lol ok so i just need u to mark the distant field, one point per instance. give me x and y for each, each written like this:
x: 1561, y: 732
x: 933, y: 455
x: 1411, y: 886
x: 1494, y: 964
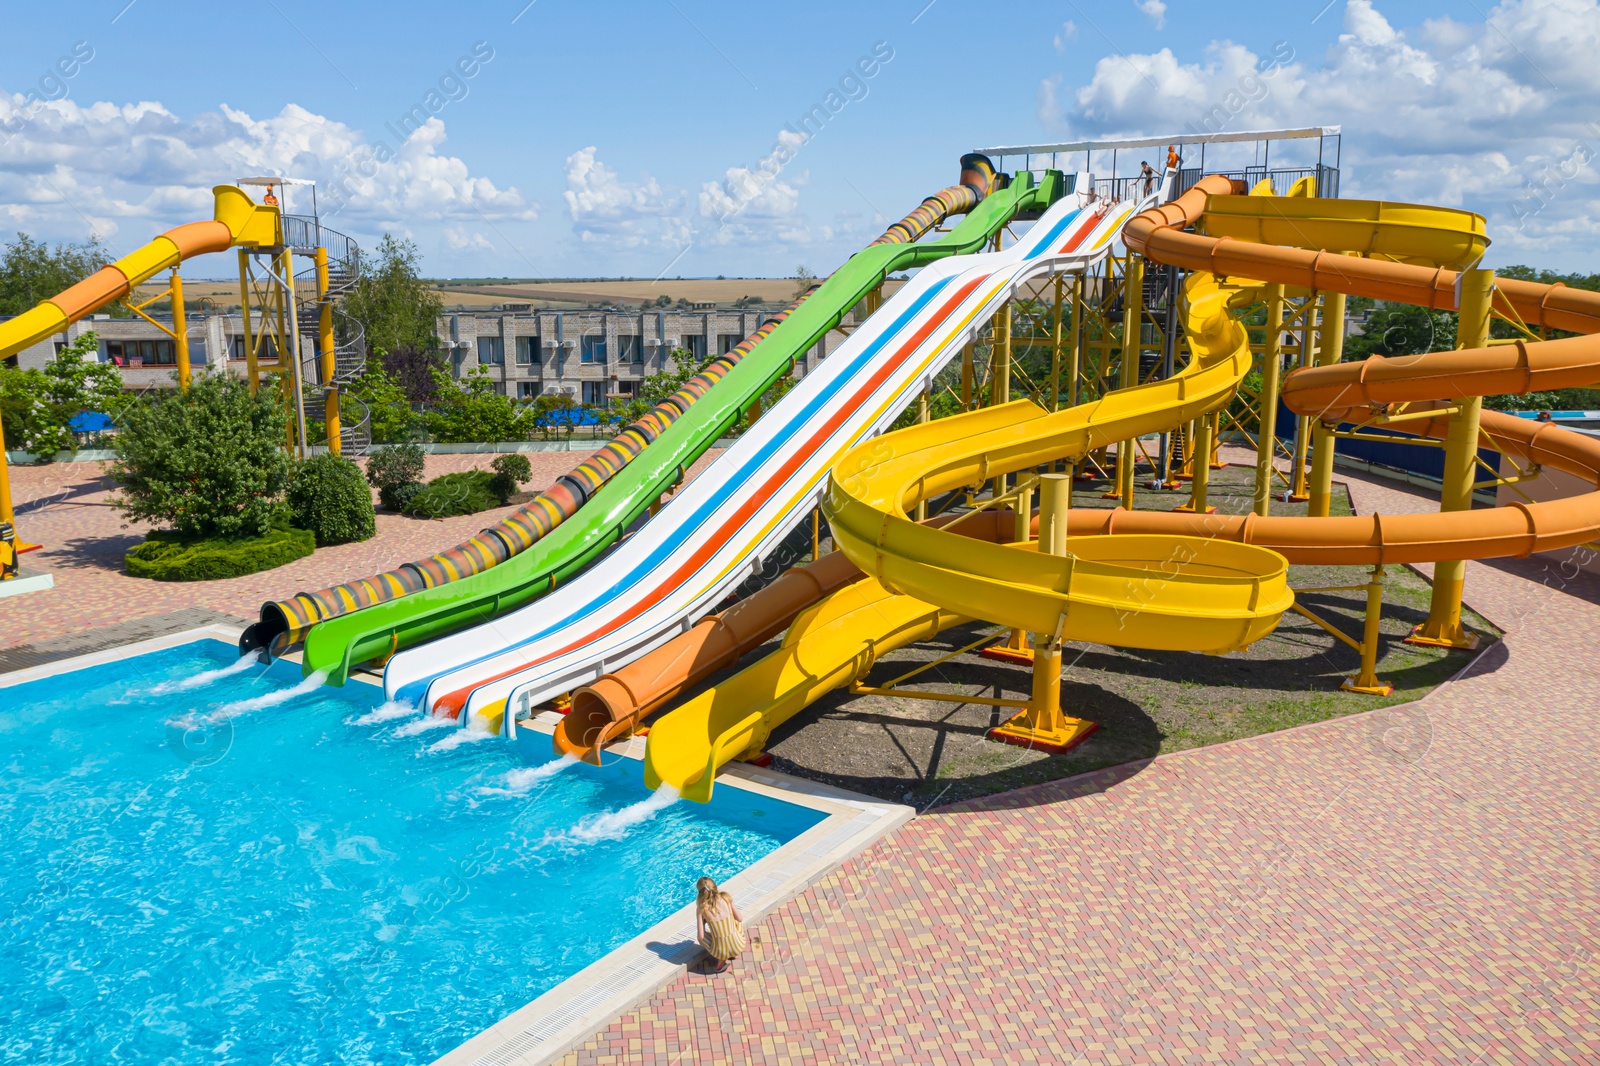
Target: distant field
x: 471, y: 295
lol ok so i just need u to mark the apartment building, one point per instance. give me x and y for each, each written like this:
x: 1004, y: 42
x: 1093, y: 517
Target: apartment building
x: 592, y: 356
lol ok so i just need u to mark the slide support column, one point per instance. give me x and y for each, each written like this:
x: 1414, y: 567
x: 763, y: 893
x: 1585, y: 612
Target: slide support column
x: 1267, y: 402
x: 251, y: 368
x: 330, y: 367
x: 180, y: 330
x: 1329, y: 352
x: 1042, y: 724
x: 1128, y: 372
x: 1298, y: 491
x: 1443, y: 627
x: 1000, y: 371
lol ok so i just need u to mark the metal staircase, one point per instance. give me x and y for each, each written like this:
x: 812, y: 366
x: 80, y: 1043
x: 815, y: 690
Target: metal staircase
x: 304, y: 235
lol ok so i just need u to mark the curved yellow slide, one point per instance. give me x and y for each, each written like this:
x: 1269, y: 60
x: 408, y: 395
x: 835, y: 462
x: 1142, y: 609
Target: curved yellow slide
x: 238, y: 222
x: 1157, y: 592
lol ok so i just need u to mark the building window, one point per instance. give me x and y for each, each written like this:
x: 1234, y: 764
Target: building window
x: 266, y: 349
x: 527, y: 351
x: 628, y: 388
x: 528, y: 390
x: 727, y: 342
x: 630, y: 348
x: 491, y: 351
x: 594, y: 392
x: 141, y: 353
x: 592, y: 349
x: 696, y: 344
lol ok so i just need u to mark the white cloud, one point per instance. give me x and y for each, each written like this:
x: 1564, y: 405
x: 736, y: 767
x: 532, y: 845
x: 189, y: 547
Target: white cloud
x: 71, y: 169
x: 748, y: 204
x: 1155, y: 10
x: 1067, y: 32
x: 462, y: 239
x: 1457, y: 113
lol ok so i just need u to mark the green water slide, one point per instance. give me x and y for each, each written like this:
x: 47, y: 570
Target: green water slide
x: 335, y: 645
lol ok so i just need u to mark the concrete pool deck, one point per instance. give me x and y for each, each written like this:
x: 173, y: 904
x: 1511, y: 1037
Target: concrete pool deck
x: 1416, y: 884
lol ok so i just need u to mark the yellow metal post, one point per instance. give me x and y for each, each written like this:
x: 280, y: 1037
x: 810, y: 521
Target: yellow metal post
x: 923, y: 412
x: 1329, y: 352
x: 966, y: 376
x: 1055, y: 347
x: 251, y: 368
x: 180, y: 330
x: 1443, y: 627
x: 292, y: 349
x: 1367, y: 680
x: 1267, y: 402
x: 1043, y: 725
x: 7, y: 515
x: 1000, y: 371
x: 330, y: 364
x: 1132, y: 327
x: 1200, y: 479
x: 1302, y: 426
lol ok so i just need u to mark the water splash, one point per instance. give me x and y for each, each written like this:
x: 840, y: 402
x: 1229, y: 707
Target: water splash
x: 522, y: 780
x: 387, y: 712
x: 460, y: 737
x: 308, y: 685
x: 614, y: 825
x: 425, y: 723
x: 206, y: 677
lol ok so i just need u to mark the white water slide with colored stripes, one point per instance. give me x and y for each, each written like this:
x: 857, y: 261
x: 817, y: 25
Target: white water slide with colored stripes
x: 715, y: 532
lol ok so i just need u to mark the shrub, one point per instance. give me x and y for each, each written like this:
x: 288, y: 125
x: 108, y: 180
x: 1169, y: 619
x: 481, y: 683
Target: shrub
x: 330, y: 499
x: 393, y: 470
x: 207, y: 462
x: 472, y: 410
x: 166, y: 556
x: 510, y: 472
x: 467, y: 492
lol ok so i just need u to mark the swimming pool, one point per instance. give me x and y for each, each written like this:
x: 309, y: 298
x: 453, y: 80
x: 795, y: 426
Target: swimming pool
x: 254, y: 869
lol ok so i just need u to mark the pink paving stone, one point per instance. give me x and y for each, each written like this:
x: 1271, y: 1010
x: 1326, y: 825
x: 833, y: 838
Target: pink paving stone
x: 1411, y: 885
x: 65, y: 507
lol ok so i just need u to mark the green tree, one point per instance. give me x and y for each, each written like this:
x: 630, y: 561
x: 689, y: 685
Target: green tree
x: 38, y: 405
x: 31, y: 271
x: 389, y: 408
x: 205, y: 462
x: 473, y: 410
x: 391, y: 300
x: 657, y: 387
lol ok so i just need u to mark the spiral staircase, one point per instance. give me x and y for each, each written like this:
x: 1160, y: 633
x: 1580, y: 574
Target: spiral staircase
x: 304, y: 235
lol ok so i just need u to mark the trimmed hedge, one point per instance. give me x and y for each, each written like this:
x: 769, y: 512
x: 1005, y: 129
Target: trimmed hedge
x: 330, y: 497
x: 466, y: 492
x: 396, y: 473
x: 166, y: 556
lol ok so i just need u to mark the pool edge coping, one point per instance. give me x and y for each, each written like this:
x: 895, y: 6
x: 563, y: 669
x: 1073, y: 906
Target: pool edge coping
x: 554, y: 1023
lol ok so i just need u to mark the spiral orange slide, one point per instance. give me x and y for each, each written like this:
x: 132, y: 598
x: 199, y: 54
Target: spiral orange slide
x: 1387, y: 251
x: 1347, y: 391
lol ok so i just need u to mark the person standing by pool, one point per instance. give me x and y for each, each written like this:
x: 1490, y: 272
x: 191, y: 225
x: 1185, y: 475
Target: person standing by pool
x: 719, y: 924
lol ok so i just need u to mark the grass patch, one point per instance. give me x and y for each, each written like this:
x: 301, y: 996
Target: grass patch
x: 464, y: 492
x: 165, y: 556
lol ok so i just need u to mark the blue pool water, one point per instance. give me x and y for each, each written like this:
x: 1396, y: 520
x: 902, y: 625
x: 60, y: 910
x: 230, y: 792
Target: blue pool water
x: 256, y: 870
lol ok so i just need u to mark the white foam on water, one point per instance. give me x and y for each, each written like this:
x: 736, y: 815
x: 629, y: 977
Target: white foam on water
x: 524, y: 778
x: 460, y: 737
x: 387, y: 712
x: 614, y: 825
x: 425, y: 723
x: 307, y: 686
x: 185, y: 684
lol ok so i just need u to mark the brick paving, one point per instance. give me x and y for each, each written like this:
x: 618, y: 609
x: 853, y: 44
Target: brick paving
x: 1412, y: 885
x: 65, y: 507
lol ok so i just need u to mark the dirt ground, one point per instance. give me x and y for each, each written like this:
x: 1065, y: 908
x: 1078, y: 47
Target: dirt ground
x: 1145, y: 703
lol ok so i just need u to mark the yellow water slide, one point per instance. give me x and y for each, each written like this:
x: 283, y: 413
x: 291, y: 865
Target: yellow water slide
x: 238, y: 222
x: 1180, y: 586
x: 1169, y: 593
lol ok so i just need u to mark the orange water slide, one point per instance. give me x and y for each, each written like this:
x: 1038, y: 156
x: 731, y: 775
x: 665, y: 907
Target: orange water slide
x: 1346, y: 391
x: 614, y: 705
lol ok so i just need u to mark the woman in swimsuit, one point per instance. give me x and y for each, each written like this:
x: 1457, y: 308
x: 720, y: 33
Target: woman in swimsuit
x: 718, y: 922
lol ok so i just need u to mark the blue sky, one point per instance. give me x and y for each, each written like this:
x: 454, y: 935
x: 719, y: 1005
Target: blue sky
x: 627, y: 138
